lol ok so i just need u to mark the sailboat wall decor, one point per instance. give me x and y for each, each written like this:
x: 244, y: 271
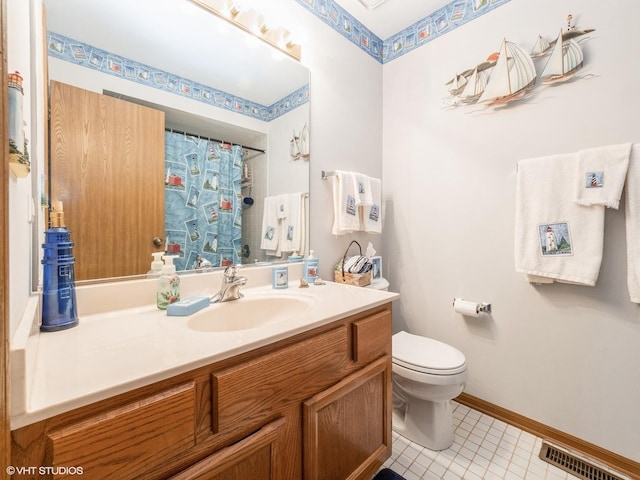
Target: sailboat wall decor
x: 511, y: 73
x: 512, y: 76
x: 564, y: 62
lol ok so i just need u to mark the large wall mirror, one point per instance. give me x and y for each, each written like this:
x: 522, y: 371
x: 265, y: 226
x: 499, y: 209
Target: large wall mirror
x: 233, y: 116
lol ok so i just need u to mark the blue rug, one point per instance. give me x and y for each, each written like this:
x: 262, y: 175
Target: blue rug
x: 387, y: 474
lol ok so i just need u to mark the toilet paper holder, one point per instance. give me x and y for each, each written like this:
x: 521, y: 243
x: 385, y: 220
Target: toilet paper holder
x: 480, y: 307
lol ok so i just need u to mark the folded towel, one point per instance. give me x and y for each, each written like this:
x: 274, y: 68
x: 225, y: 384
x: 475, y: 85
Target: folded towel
x: 270, y: 230
x: 600, y: 175
x: 554, y: 236
x: 292, y: 227
x: 372, y: 215
x: 345, y: 211
x: 632, y: 219
x: 362, y: 189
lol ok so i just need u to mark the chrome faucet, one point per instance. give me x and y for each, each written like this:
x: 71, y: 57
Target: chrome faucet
x: 230, y: 288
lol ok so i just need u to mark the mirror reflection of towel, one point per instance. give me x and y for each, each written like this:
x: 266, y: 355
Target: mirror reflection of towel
x: 292, y: 227
x: 269, y: 234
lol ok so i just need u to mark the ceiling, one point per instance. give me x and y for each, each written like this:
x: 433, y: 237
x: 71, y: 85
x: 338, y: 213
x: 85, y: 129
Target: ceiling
x: 393, y: 15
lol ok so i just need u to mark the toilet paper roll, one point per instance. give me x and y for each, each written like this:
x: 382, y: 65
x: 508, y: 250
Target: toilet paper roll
x: 466, y: 307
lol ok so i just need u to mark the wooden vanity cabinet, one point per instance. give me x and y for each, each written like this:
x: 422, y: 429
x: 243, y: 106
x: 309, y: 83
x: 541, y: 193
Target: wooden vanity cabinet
x: 314, y: 406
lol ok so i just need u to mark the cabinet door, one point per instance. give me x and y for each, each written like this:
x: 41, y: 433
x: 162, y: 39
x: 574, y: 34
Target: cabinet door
x: 347, y: 428
x: 107, y: 168
x: 253, y: 458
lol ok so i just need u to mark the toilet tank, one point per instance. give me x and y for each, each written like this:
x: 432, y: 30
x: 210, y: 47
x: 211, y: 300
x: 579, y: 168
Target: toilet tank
x: 379, y: 284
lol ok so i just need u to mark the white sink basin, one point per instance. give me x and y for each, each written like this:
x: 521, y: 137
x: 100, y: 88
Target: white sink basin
x: 248, y: 313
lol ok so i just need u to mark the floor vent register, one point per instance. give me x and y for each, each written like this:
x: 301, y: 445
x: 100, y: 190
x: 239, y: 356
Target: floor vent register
x: 577, y: 465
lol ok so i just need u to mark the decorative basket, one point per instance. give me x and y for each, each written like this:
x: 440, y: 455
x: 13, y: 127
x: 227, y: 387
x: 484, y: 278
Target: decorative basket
x: 357, y: 279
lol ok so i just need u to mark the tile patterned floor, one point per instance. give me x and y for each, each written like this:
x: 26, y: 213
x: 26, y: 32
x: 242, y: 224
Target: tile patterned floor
x: 484, y: 448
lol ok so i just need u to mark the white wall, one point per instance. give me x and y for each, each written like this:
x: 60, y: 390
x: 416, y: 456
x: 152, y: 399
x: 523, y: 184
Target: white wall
x: 345, y: 127
x: 285, y: 174
x: 566, y: 356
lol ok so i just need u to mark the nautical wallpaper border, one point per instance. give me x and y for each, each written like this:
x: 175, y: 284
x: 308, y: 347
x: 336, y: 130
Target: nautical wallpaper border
x: 438, y: 23
x: 73, y: 51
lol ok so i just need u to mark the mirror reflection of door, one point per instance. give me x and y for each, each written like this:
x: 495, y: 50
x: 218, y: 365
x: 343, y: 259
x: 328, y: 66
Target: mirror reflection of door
x: 107, y: 155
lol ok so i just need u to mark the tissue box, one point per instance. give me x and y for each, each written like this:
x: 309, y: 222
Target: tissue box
x: 187, y: 306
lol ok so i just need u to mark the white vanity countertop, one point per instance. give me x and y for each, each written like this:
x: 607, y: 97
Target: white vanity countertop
x: 111, y: 353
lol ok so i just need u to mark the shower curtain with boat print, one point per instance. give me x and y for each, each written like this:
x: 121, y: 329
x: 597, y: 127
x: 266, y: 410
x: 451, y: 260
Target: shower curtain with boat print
x: 203, y: 211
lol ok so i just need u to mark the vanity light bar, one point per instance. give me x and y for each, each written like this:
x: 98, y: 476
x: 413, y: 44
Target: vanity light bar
x: 249, y: 21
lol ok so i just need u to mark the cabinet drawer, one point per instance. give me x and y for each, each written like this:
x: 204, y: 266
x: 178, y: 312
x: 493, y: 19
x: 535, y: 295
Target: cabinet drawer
x: 247, y: 394
x: 372, y: 337
x: 129, y: 440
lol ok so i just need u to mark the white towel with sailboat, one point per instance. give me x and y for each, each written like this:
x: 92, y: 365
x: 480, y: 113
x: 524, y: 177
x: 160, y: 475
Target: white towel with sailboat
x: 345, y: 212
x: 371, y: 215
x: 555, y: 238
x: 600, y: 175
x: 362, y: 189
x: 632, y: 223
x: 270, y: 227
x: 292, y: 225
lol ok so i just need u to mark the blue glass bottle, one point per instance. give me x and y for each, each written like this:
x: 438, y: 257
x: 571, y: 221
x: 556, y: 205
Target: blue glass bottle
x: 59, y: 290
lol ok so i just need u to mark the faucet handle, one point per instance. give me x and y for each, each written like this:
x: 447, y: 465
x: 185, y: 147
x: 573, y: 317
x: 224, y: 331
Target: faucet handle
x: 231, y: 271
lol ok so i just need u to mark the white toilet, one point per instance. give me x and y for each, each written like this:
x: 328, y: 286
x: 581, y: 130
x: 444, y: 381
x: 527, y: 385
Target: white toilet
x: 427, y: 375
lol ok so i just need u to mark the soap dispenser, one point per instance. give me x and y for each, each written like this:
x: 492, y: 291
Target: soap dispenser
x: 168, y: 284
x: 310, y: 268
x: 156, y: 265
x: 59, y: 309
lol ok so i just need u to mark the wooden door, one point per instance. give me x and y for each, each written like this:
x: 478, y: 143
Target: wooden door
x: 347, y: 428
x: 107, y: 168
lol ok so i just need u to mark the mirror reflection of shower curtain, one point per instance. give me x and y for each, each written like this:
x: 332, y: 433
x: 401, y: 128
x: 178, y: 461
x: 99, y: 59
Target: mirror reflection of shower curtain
x: 203, y: 208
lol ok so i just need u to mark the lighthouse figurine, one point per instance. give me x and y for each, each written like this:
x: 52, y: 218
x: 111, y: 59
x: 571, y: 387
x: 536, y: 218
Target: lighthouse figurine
x: 59, y: 290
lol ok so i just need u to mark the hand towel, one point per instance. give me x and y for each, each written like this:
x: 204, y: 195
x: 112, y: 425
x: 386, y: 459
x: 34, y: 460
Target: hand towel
x: 554, y: 236
x: 362, y: 189
x: 282, y: 209
x: 632, y: 223
x: 270, y: 229
x: 371, y: 215
x: 345, y: 211
x: 600, y: 175
x: 292, y: 227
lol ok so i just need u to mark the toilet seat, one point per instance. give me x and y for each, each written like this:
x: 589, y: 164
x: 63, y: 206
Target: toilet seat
x: 426, y: 355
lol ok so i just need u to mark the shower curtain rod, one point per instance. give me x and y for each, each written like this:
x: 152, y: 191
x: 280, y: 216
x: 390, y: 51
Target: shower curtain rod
x: 212, y: 139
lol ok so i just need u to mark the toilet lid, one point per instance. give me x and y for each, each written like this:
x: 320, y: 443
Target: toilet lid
x: 426, y: 355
